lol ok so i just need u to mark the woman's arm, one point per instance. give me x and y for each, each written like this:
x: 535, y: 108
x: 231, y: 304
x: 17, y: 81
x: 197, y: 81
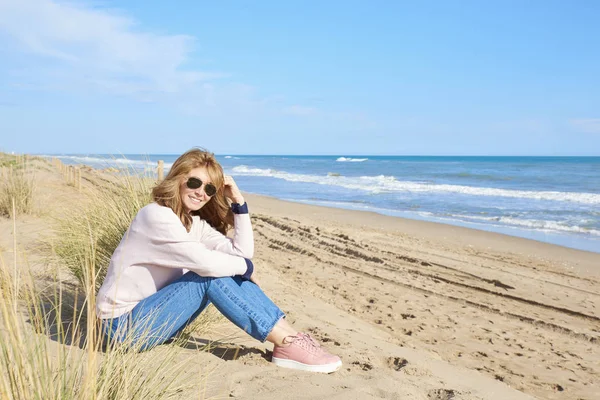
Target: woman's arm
x: 157, y: 237
x: 242, y: 243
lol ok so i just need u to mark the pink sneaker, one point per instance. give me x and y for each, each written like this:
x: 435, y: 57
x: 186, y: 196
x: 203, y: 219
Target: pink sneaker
x: 304, y: 353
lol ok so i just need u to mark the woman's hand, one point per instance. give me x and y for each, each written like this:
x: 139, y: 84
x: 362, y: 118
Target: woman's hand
x: 231, y: 191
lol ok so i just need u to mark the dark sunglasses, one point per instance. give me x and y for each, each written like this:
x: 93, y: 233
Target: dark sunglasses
x: 195, y: 183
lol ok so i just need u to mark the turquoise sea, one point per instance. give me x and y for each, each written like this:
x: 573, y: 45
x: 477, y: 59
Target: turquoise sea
x: 550, y: 199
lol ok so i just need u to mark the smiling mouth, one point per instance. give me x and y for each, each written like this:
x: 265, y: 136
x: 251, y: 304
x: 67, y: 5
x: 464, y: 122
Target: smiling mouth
x: 195, y: 200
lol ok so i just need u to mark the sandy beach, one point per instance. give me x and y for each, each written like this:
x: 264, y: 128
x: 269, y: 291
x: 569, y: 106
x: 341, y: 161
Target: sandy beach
x: 416, y: 310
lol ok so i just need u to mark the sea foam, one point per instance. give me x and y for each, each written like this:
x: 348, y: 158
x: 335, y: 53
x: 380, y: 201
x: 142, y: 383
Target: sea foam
x: 541, y: 225
x: 346, y: 159
x: 384, y: 183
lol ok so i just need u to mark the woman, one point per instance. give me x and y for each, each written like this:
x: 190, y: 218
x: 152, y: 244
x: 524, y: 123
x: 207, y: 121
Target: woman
x: 175, y: 259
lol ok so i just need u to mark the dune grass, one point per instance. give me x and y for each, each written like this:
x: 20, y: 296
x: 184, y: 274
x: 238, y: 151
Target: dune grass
x: 101, y: 221
x: 16, y: 186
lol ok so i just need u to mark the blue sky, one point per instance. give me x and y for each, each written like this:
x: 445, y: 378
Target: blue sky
x: 322, y: 77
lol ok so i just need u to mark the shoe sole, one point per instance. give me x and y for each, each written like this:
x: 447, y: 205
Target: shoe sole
x: 326, y: 368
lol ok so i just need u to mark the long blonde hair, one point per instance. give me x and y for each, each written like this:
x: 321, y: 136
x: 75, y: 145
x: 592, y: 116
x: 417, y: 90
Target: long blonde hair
x: 216, y: 212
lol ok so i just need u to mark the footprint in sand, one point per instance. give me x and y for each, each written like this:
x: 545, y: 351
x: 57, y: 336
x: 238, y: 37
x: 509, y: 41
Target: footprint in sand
x: 413, y: 371
x: 323, y: 336
x: 441, y: 394
x: 365, y: 366
x: 396, y: 363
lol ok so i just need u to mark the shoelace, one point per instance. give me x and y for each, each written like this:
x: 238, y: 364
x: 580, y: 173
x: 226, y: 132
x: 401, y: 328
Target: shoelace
x: 305, y: 341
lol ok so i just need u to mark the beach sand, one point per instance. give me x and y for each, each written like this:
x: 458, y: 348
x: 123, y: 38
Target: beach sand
x: 416, y: 310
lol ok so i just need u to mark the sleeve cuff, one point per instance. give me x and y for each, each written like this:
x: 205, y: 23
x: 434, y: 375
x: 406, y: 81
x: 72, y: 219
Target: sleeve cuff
x: 249, y: 270
x: 239, y: 208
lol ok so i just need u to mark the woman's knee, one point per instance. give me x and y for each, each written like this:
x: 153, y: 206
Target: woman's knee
x: 192, y: 276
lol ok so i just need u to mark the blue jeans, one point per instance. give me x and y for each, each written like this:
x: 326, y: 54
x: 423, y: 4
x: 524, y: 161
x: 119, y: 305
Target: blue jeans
x: 160, y: 317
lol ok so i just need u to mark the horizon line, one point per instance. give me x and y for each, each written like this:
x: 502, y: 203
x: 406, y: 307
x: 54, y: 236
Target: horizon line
x: 311, y: 155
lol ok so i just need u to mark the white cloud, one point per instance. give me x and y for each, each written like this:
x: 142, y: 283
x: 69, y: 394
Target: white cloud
x: 75, y: 44
x: 587, y: 125
x: 75, y: 47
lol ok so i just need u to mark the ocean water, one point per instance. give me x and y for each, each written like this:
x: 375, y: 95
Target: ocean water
x: 550, y: 199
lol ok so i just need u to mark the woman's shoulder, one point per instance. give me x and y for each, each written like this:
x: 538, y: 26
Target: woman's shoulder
x: 154, y: 212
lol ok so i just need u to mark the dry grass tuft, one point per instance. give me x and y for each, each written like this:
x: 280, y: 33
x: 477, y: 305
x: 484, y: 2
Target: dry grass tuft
x: 17, y: 187
x: 102, y: 222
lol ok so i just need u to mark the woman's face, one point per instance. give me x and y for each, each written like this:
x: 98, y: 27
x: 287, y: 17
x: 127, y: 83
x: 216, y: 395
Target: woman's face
x: 195, y: 199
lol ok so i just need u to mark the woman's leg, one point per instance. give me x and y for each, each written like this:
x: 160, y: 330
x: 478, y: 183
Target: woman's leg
x: 247, y: 306
x: 280, y: 331
x: 236, y: 298
x: 161, y: 316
